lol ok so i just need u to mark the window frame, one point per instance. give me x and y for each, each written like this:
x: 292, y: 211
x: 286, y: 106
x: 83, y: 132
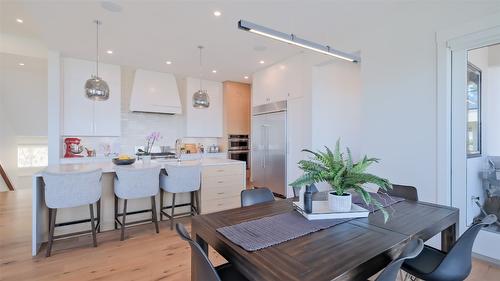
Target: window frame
x: 478, y: 153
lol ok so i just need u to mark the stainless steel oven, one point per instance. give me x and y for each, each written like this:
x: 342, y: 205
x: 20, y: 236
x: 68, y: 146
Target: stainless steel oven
x: 239, y: 148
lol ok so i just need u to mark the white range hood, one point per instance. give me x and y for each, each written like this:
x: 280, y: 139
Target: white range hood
x: 155, y: 92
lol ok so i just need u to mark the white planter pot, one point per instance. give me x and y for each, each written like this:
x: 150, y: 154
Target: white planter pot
x: 340, y: 203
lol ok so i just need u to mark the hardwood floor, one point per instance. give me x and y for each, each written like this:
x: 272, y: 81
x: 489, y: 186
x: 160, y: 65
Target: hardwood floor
x: 144, y: 255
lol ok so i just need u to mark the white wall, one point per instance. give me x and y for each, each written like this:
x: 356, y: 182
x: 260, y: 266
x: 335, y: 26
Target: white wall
x: 336, y: 105
x: 7, y: 146
x: 493, y: 104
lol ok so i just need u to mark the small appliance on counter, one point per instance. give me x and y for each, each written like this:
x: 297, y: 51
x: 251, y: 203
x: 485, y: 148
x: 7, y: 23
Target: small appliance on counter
x: 72, y: 147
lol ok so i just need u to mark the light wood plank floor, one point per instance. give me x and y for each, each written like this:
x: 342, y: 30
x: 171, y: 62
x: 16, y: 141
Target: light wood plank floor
x: 145, y: 255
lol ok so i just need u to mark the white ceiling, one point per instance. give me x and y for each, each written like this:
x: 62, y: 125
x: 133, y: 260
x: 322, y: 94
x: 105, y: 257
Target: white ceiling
x: 147, y: 33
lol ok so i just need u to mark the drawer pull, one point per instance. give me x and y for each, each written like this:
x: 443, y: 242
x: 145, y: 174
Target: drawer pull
x: 220, y: 170
x: 220, y: 181
x: 220, y: 193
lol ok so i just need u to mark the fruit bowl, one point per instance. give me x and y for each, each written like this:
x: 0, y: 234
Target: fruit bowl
x: 120, y: 161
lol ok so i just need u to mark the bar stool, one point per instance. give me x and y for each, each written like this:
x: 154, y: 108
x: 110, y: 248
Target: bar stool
x: 68, y: 190
x: 132, y: 183
x: 180, y: 179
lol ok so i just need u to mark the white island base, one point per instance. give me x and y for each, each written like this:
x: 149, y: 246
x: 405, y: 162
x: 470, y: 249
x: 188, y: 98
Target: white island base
x: 221, y: 184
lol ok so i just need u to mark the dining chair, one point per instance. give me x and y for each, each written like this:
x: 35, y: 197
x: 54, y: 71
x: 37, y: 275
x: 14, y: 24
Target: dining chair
x: 180, y: 179
x: 206, y: 271
x: 434, y: 265
x: 251, y: 197
x: 296, y: 190
x: 69, y: 190
x: 136, y: 182
x: 404, y: 191
x: 412, y: 249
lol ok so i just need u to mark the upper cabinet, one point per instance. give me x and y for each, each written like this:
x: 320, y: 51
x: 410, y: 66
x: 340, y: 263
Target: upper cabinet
x: 204, y: 122
x: 82, y: 116
x: 281, y: 81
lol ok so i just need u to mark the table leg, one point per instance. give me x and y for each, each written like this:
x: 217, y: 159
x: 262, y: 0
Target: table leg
x: 448, y: 237
x: 204, y: 246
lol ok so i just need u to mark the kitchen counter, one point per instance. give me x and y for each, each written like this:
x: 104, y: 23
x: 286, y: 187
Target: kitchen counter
x: 109, y: 167
x: 221, y: 184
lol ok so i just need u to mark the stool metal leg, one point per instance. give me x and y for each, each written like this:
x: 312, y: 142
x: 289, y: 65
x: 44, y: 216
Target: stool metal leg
x: 197, y: 200
x: 92, y: 223
x: 161, y: 204
x: 123, y: 221
x: 99, y: 215
x: 172, y: 215
x: 116, y: 211
x: 154, y: 215
x: 52, y: 223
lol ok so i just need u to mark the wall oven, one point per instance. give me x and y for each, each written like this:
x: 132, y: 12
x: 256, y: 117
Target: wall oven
x: 238, y: 148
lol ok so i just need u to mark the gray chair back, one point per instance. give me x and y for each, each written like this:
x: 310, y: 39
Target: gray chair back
x: 390, y: 273
x: 205, y: 269
x: 457, y: 264
x: 137, y: 181
x: 181, y: 178
x: 256, y: 196
x: 72, y: 189
x: 404, y: 191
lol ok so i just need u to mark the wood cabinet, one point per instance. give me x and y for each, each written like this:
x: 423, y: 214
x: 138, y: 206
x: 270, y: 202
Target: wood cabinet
x: 204, y: 122
x: 281, y: 81
x: 82, y: 116
x: 221, y: 186
x: 236, y: 108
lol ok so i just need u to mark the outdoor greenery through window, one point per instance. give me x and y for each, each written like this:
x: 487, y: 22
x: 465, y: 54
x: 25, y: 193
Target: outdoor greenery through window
x: 32, y: 155
x: 473, y: 111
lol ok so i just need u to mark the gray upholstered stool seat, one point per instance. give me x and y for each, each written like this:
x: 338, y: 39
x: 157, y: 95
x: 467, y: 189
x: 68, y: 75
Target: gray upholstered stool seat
x: 133, y: 182
x: 180, y: 178
x: 68, y: 190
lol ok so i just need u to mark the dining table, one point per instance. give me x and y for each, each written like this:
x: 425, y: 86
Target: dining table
x: 353, y: 250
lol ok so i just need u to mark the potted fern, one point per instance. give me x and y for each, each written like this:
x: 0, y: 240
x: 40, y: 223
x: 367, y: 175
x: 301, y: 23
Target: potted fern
x: 343, y: 175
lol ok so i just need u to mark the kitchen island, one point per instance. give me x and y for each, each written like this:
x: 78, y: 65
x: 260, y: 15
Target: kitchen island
x: 222, y: 181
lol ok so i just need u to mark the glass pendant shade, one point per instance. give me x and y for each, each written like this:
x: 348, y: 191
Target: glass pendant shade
x: 96, y: 89
x: 201, y: 99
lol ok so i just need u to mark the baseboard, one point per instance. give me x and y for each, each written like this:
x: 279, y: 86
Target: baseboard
x: 489, y: 260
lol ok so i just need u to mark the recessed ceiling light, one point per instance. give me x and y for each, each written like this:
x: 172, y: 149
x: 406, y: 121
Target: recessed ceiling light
x: 168, y: 62
x: 262, y: 62
x: 214, y: 71
x: 19, y: 20
x: 217, y: 13
x: 246, y: 77
x: 21, y: 64
x: 109, y: 52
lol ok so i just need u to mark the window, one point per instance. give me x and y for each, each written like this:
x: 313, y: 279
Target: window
x: 31, y: 155
x: 473, y: 111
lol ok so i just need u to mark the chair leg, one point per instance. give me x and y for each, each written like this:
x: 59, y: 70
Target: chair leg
x: 154, y: 215
x: 116, y: 212
x: 172, y: 215
x: 92, y: 224
x: 99, y: 215
x: 161, y: 204
x: 123, y: 220
x: 52, y: 224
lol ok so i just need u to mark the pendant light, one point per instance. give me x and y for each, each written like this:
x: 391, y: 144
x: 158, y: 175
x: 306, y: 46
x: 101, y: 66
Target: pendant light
x: 96, y: 88
x: 200, y: 97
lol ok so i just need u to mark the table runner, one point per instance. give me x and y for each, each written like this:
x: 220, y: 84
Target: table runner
x: 268, y: 231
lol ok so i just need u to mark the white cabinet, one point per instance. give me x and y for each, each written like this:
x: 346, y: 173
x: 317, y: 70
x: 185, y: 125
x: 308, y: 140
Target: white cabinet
x: 279, y: 82
x: 204, y: 122
x: 84, y: 117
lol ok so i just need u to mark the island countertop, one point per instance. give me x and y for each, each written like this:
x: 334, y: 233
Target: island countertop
x: 109, y: 167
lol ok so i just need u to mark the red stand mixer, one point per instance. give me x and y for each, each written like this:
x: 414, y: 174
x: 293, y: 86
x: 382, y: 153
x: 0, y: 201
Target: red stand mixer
x: 72, y: 147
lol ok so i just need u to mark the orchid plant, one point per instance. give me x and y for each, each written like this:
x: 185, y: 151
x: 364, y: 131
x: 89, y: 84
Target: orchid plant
x: 151, y: 139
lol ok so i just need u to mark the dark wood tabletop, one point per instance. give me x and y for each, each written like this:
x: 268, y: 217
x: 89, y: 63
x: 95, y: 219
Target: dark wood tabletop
x: 354, y: 250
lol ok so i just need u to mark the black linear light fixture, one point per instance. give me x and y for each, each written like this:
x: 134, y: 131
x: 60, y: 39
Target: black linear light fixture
x: 294, y: 40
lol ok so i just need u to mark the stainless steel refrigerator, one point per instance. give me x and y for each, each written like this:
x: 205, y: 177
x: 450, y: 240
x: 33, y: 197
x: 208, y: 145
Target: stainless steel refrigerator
x: 269, y: 147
